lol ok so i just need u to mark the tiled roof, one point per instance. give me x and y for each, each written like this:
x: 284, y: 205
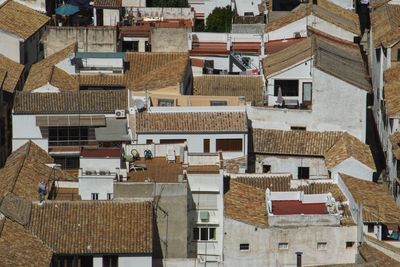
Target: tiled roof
x: 372, y: 255
x: 305, y: 143
x: 106, y: 101
x: 282, y: 184
x: 15, y: 208
x: 105, y: 80
x: 246, y: 204
x: 395, y: 140
x: 288, y: 57
x: 155, y: 70
x: 385, y: 25
x: 23, y: 170
x: 343, y: 62
x: 325, y: 10
x: 181, y: 122
x: 203, y: 169
x: 377, y: 3
x: 19, y: 248
x: 349, y: 146
x: 251, y: 87
x: 63, y: 81
x: 108, y: 3
x: 14, y: 71
x: 327, y: 54
x: 90, y: 227
x: 43, y: 71
x: 21, y: 20
x: 392, y: 91
x: 377, y: 204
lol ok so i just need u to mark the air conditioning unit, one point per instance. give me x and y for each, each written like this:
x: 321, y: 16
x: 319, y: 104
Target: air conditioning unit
x: 120, y: 113
x: 204, y: 216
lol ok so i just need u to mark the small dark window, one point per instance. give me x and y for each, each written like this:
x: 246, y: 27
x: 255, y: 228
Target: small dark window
x: 203, y: 233
x: 110, y: 261
x: 218, y: 103
x: 398, y: 54
x: 370, y: 228
x: 244, y: 246
x: 266, y: 168
x: 303, y: 172
x: 229, y: 144
x: 149, y: 141
x: 378, y: 54
x: 349, y: 244
x: 288, y: 87
x: 298, y: 128
x: 109, y: 196
x: 165, y: 102
x: 172, y: 141
x: 95, y: 196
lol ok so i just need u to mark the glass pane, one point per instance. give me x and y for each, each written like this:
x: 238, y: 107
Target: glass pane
x: 212, y: 234
x: 307, y: 90
x: 204, y: 233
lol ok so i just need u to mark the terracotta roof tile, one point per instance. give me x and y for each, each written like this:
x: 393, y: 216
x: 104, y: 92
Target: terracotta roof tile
x: 251, y: 87
x: 385, y: 25
x: 90, y: 227
x: 392, y: 90
x: 14, y: 71
x: 106, y: 101
x: 246, y: 204
x: 102, y: 80
x: 23, y: 170
x: 325, y: 10
x: 108, y: 3
x: 21, y: 20
x: 151, y: 122
x: 156, y: 70
x: 18, y: 248
x: 304, y: 143
x: 378, y: 205
x: 349, y: 146
x: 203, y: 169
x: 395, y: 141
x: 63, y: 81
x: 372, y: 255
x: 42, y: 72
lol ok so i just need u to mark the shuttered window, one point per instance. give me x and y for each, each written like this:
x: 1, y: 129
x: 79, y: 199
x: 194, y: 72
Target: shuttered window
x: 229, y: 144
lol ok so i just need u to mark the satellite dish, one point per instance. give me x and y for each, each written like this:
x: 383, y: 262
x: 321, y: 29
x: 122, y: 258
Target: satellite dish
x: 139, y: 104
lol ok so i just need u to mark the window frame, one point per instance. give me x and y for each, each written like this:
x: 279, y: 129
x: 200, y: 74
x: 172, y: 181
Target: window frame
x: 95, y: 196
x: 204, y: 234
x: 244, y: 246
x: 349, y: 244
x: 288, y: 90
x: 322, y: 245
x: 283, y: 245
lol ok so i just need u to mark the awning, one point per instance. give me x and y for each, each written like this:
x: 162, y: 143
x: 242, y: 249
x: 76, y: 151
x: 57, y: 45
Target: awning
x: 71, y: 120
x: 67, y: 10
x: 116, y: 130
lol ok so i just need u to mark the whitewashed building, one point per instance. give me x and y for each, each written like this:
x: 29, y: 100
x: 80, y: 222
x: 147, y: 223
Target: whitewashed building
x: 310, y: 155
x: 306, y: 89
x: 324, y: 17
x: 204, y: 130
x: 264, y: 227
x: 21, y: 29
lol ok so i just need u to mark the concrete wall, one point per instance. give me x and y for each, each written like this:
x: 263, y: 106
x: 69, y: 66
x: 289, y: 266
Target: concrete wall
x: 39, y: 5
x: 10, y: 46
x: 90, y: 39
x: 195, y: 141
x: 110, y: 17
x: 24, y: 129
x: 100, y: 164
x: 290, y: 164
x: 169, y: 40
x: 332, y: 29
x: 354, y: 168
x: 170, y: 202
x: 264, y: 242
x: 100, y: 184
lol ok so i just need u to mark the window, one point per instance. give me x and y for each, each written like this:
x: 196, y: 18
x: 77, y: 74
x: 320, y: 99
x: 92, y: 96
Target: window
x: 303, y: 172
x: 266, y: 168
x: 398, y: 54
x: 229, y: 144
x: 206, y: 145
x: 109, y: 196
x: 110, y: 261
x: 149, y: 141
x: 322, y: 245
x: 378, y: 54
x: 204, y: 233
x: 172, y: 141
x: 95, y: 196
x: 288, y: 87
x: 371, y: 228
x: 165, y: 102
x: 67, y: 163
x: 298, y: 128
x: 218, y: 103
x: 68, y: 136
x: 244, y: 246
x: 349, y: 244
x: 283, y: 245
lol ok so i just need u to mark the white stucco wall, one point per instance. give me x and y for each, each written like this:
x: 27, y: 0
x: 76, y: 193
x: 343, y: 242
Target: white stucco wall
x: 126, y: 261
x: 287, y: 31
x: 332, y: 29
x: 100, y: 184
x: 100, y: 164
x: 10, y: 46
x: 347, y: 4
x: 354, y: 168
x: 195, y: 141
x: 280, y: 164
x: 264, y: 242
x: 110, y: 17
x: 25, y: 129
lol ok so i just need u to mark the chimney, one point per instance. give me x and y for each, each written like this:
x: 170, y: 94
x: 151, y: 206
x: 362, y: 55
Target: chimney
x: 298, y: 254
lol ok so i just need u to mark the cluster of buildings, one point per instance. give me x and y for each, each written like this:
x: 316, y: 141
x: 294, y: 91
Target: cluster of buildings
x: 274, y: 144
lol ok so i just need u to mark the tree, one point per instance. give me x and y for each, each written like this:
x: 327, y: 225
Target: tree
x: 220, y: 20
x: 169, y: 3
